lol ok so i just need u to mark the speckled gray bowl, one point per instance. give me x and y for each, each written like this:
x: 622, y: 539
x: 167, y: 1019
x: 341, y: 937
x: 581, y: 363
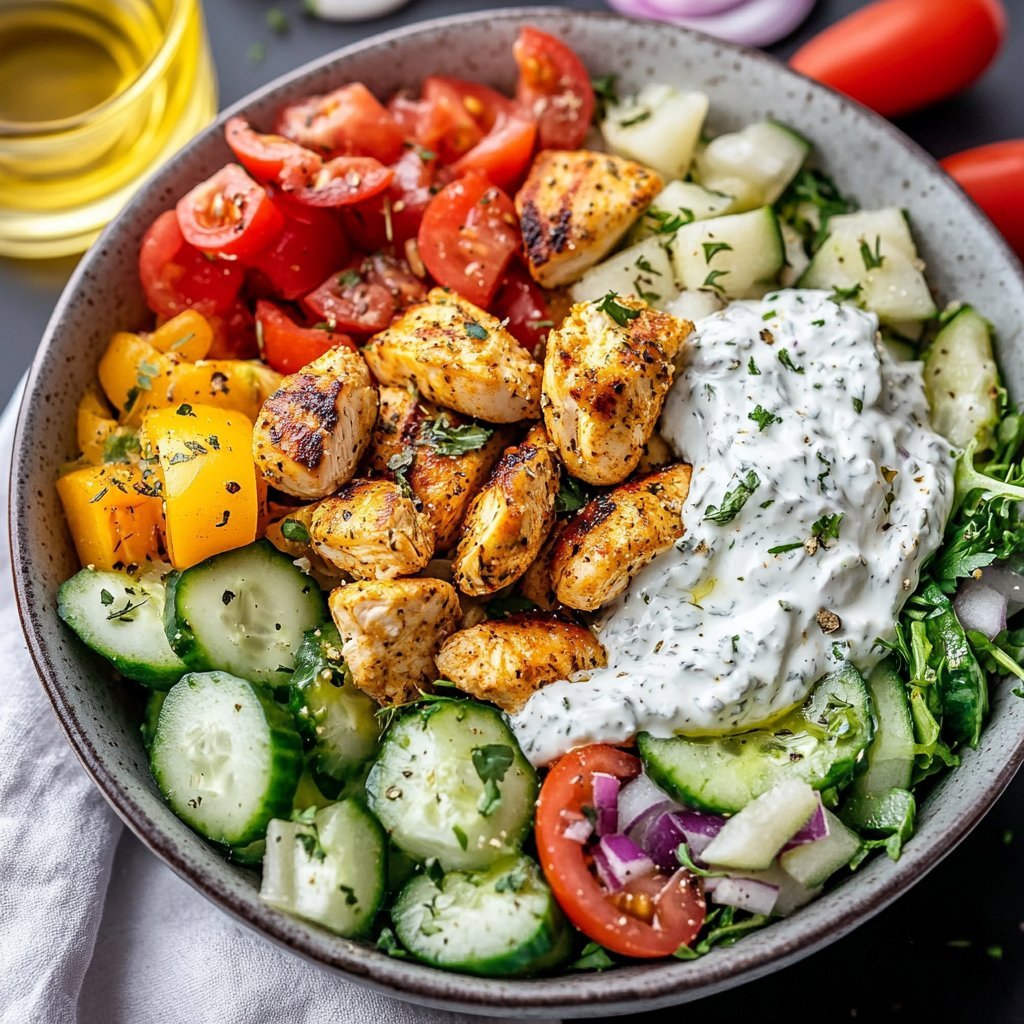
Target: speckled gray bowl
x: 868, y: 157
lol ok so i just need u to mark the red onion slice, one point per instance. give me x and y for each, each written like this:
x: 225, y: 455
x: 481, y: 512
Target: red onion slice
x: 606, y: 802
x: 815, y: 829
x: 694, y: 8
x: 636, y: 798
x: 694, y: 828
x: 1009, y: 583
x: 622, y: 859
x: 981, y: 607
x: 578, y: 830
x: 745, y: 894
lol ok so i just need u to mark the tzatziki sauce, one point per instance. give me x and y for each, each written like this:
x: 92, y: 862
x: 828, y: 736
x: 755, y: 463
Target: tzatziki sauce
x: 818, y: 490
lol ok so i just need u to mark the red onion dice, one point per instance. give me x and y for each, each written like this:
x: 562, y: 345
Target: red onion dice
x: 636, y: 798
x: 745, y: 894
x: 815, y: 829
x: 620, y: 859
x: 606, y: 803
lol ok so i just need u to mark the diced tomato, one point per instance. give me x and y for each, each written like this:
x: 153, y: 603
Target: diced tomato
x: 234, y: 333
x: 555, y: 88
x: 445, y: 124
x: 272, y: 158
x: 345, y: 180
x: 521, y: 301
x: 229, y: 215
x: 287, y: 346
x: 468, y: 236
x: 347, y: 122
x: 176, y: 276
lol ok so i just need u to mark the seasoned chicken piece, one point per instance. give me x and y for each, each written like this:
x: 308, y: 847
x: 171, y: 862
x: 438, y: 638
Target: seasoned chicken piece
x: 505, y: 661
x: 656, y: 453
x: 289, y: 532
x: 391, y: 631
x: 616, y: 534
x: 574, y: 207
x: 607, y: 370
x: 509, y: 519
x: 312, y: 431
x: 443, y: 483
x: 536, y: 584
x: 460, y: 357
x: 373, y: 531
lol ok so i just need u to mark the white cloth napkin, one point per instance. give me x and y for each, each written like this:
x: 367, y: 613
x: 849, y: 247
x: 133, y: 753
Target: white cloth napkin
x: 96, y: 930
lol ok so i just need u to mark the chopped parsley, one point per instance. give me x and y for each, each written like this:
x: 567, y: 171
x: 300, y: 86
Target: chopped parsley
x: 475, y: 330
x: 781, y: 549
x: 872, y: 258
x: 752, y: 368
x: 400, y: 463
x: 614, y: 309
x: 827, y: 527
x: 763, y: 418
x: 572, y: 495
x: 350, y: 278
x: 858, y: 405
x: 711, y: 281
x: 446, y: 439
x: 787, y: 362
x: 712, y: 249
x: 667, y: 223
x: 734, y: 500
x: 293, y: 530
x: 638, y: 118
x: 491, y: 762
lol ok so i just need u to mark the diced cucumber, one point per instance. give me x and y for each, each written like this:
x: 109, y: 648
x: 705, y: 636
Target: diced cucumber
x: 151, y: 717
x: 121, y: 617
x: 889, y: 225
x: 797, y: 260
x: 452, y: 783
x: 244, y: 612
x: 336, y: 718
x: 753, y: 837
x: 679, y: 203
x: 502, y: 922
x: 811, y: 864
x: 820, y: 743
x: 330, y: 870
x: 733, y: 255
x: 695, y: 305
x: 961, y: 380
x: 754, y: 164
x: 225, y: 756
x: 643, y: 270
x: 890, y: 813
x: 890, y: 758
x: 659, y: 128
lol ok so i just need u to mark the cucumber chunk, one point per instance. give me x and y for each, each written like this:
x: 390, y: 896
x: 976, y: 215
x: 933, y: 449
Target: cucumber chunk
x: 225, y: 756
x: 961, y: 380
x: 890, y: 813
x: 737, y: 256
x: 695, y: 305
x: 452, y: 783
x: 820, y: 743
x: 502, y: 922
x: 330, y: 870
x: 754, y: 164
x: 244, y: 612
x: 121, y: 618
x: 812, y: 864
x: 151, y: 717
x: 890, y: 758
x: 643, y: 270
x: 679, y: 203
x: 659, y: 128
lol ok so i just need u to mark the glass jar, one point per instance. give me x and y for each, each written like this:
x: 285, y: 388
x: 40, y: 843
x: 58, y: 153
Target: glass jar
x: 94, y: 95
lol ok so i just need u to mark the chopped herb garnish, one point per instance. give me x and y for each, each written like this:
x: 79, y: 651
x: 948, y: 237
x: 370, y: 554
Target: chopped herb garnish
x: 734, y: 500
x: 349, y: 278
x: 858, y: 405
x: 667, y: 223
x: 572, y: 495
x: 769, y: 315
x: 712, y: 249
x: 446, y: 439
x: 638, y: 118
x: 593, y: 957
x: 124, y: 614
x: 619, y: 313
x: 131, y: 398
x: 185, y: 409
x: 183, y: 341
x: 781, y: 549
x: 872, y: 258
x: 475, y: 330
x: 711, y: 281
x: 460, y: 836
x: 644, y: 264
x: 106, y: 597
x: 293, y: 530
x: 752, y: 368
x: 845, y: 294
x: 98, y: 495
x: 606, y: 94
x: 787, y: 362
x: 763, y: 418
x: 400, y: 463
x: 491, y: 762
x: 118, y: 446
x: 827, y: 527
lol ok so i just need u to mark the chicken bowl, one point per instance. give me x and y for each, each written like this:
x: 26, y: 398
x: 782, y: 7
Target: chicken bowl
x: 637, y: 519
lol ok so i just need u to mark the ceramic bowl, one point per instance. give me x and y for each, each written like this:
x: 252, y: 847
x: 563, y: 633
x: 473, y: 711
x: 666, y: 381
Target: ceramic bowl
x: 869, y: 159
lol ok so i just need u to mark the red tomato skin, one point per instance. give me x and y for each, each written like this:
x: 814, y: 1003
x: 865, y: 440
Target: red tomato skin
x: 554, y: 87
x: 234, y: 333
x: 896, y: 56
x: 271, y: 158
x: 521, y: 301
x: 287, y: 346
x: 175, y: 276
x: 345, y: 180
x: 993, y: 176
x: 445, y: 123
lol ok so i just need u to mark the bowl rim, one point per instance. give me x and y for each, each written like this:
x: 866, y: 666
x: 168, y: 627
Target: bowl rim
x: 625, y: 990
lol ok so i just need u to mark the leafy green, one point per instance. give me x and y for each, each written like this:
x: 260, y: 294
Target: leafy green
x: 572, y: 495
x: 808, y: 205
x: 722, y: 929
x: 619, y: 313
x: 445, y: 439
x: 734, y: 500
x: 594, y: 957
x: 491, y: 762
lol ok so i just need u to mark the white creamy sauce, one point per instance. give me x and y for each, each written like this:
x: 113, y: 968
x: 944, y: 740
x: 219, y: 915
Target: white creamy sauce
x: 720, y: 633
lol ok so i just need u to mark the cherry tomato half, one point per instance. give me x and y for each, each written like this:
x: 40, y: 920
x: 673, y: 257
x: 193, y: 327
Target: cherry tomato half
x: 898, y: 55
x: 234, y: 333
x: 229, y: 215
x: 555, y: 88
x: 648, y: 917
x: 272, y: 157
x: 287, y: 346
x: 175, y: 276
x: 521, y: 301
x: 468, y: 235
x: 345, y: 180
x: 441, y: 121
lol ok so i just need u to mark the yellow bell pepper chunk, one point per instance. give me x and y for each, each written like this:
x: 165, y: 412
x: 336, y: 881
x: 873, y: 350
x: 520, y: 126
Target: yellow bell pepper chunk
x: 115, y: 515
x: 188, y: 335
x: 223, y: 383
x: 212, y: 499
x: 134, y: 374
x: 94, y: 424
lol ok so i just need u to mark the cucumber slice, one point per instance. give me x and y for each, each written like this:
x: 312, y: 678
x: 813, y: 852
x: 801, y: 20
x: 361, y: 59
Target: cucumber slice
x: 820, y: 743
x: 336, y: 718
x: 330, y: 870
x: 643, y: 270
x: 679, y: 203
x: 890, y: 758
x: 890, y: 813
x: 754, y: 164
x: 502, y: 922
x: 811, y: 864
x: 889, y: 225
x: 753, y: 837
x: 659, y: 128
x: 151, y: 717
x: 121, y: 617
x: 695, y: 305
x: 961, y: 380
x: 225, y: 756
x: 429, y: 790
x: 244, y: 612
x: 733, y: 255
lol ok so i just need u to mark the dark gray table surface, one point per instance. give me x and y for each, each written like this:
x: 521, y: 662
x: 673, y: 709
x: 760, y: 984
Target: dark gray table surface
x: 952, y: 949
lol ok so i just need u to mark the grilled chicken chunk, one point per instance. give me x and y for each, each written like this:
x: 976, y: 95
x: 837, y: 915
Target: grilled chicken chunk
x: 575, y: 206
x: 460, y: 357
x: 312, y: 431
x: 372, y: 530
x: 607, y: 370
x: 284, y: 531
x: 506, y: 661
x: 391, y: 631
x: 536, y: 584
x: 616, y: 534
x: 509, y: 519
x: 444, y: 484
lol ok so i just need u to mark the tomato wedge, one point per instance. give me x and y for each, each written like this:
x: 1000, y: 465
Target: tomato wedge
x: 441, y: 120
x: 521, y: 301
x: 287, y: 346
x: 648, y: 917
x: 175, y: 276
x: 234, y: 333
x: 554, y: 87
x: 272, y: 157
x: 468, y: 236
x: 229, y: 215
x: 345, y: 180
